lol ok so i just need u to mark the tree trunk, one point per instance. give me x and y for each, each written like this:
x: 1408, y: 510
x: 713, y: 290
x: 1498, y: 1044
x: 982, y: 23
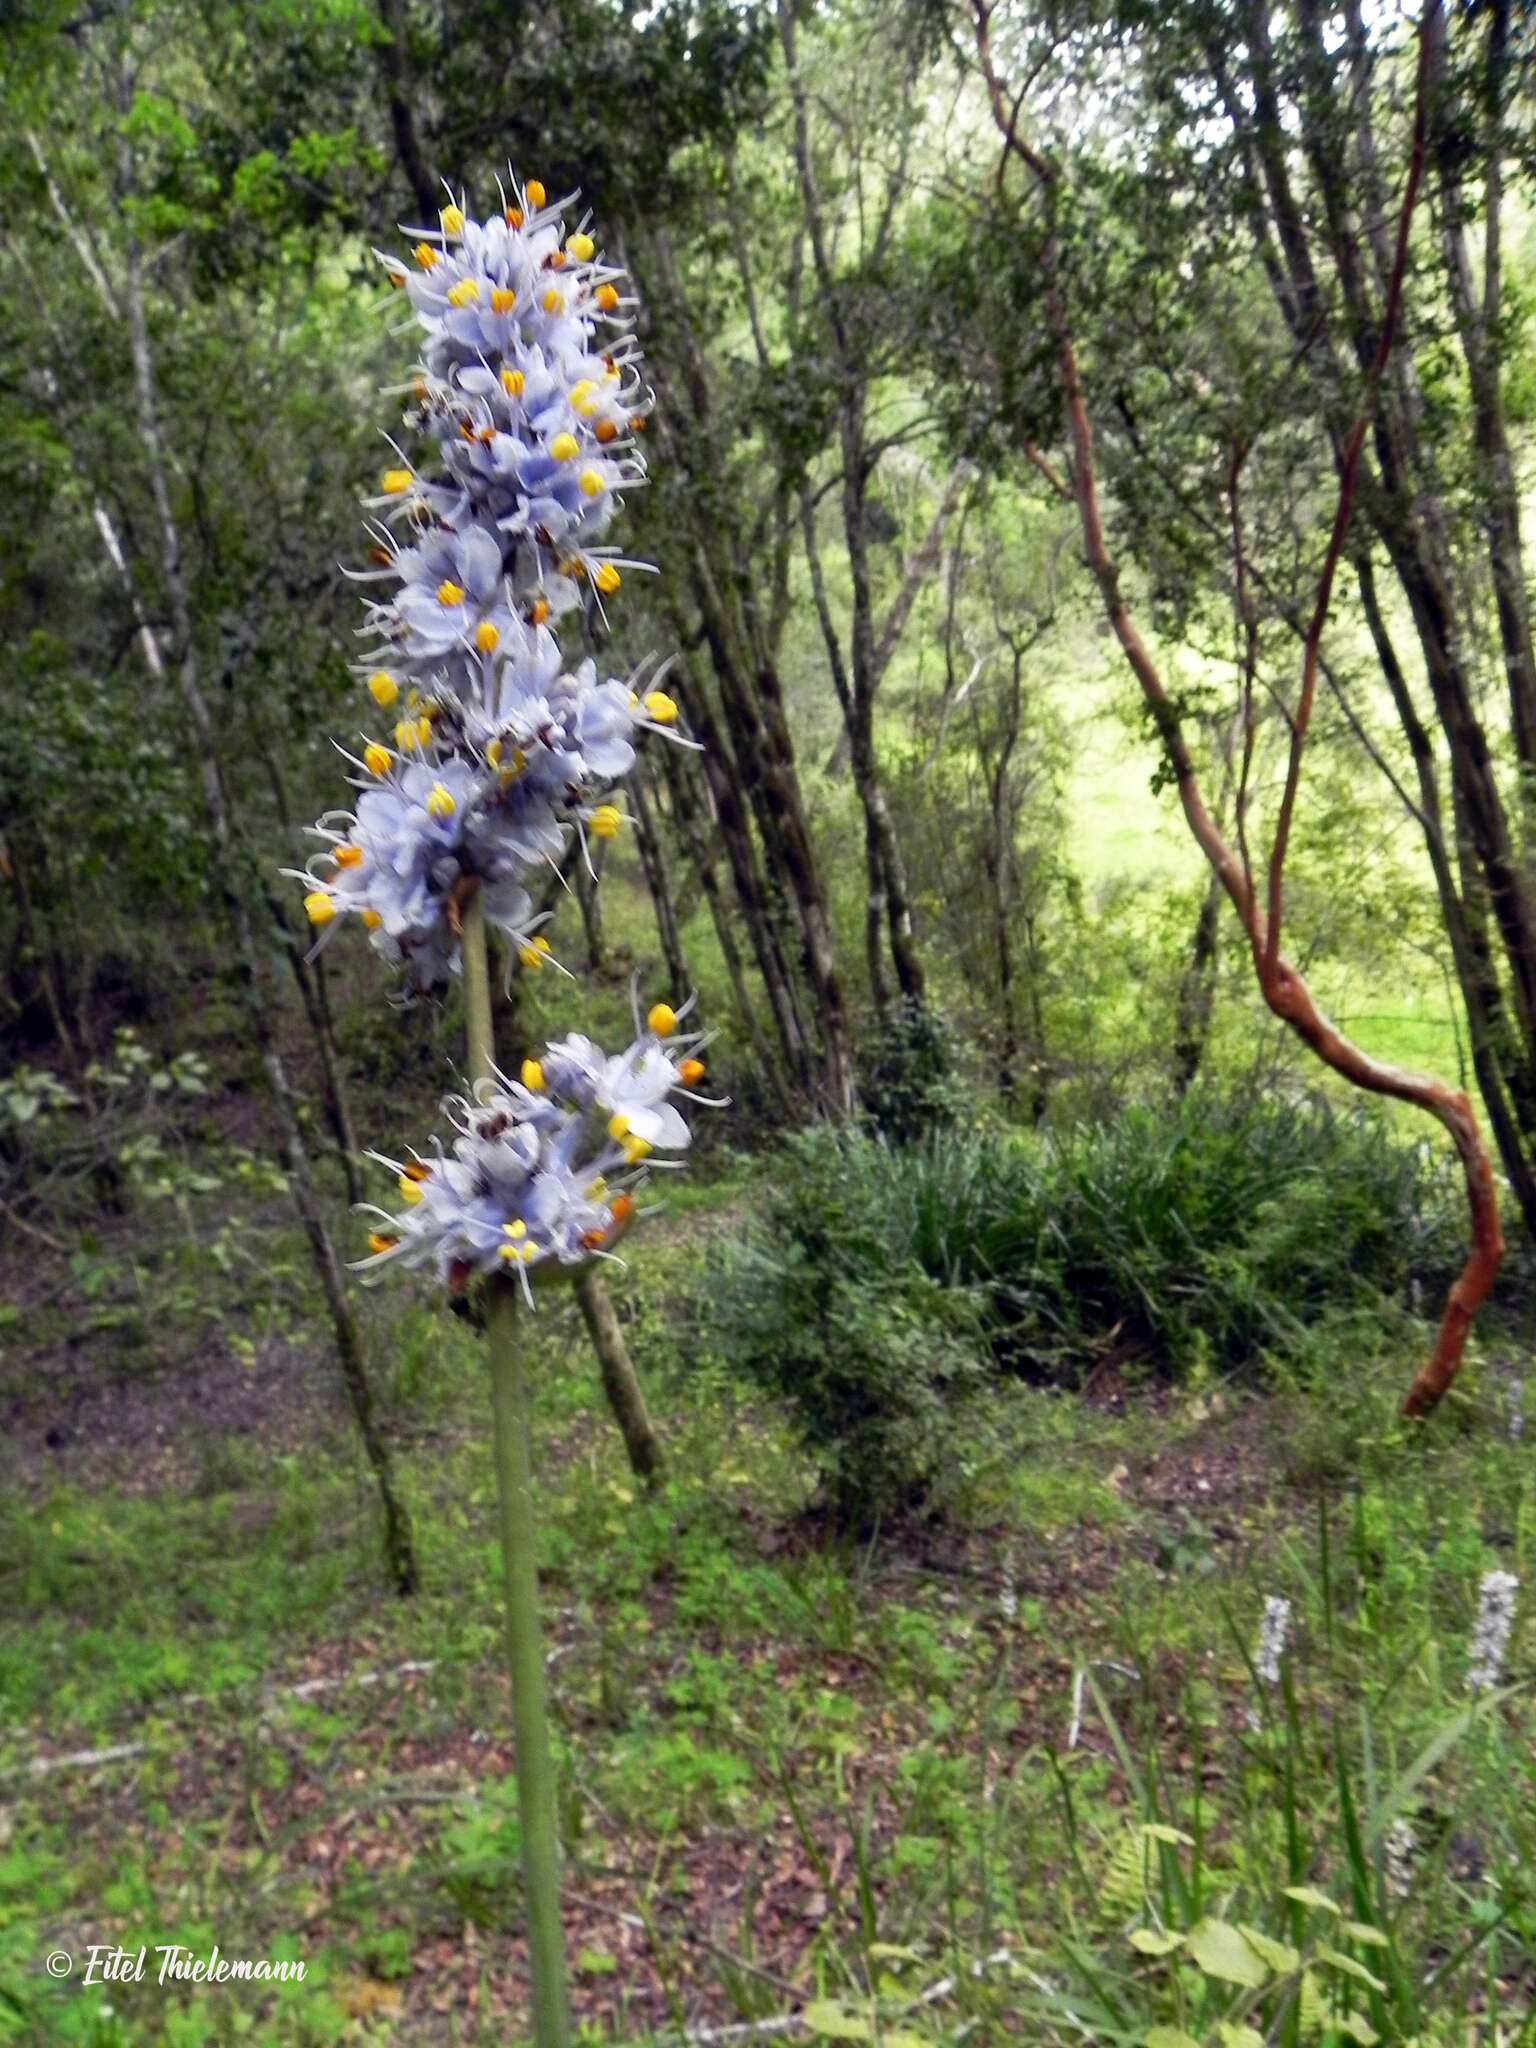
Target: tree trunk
x: 621, y: 1383
x: 1197, y: 992
x: 398, y: 1540
x: 653, y: 861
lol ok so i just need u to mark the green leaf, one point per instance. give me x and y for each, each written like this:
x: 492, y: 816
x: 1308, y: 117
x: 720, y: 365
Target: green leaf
x: 1170, y: 2037
x: 1159, y: 1831
x: 1233, y: 2036
x: 1222, y: 1952
x: 837, y: 2021
x: 1367, y: 1935
x: 1309, y: 1895
x: 1153, y: 1941
x: 1348, y: 1965
x: 1279, y: 1955
x: 1358, y: 2028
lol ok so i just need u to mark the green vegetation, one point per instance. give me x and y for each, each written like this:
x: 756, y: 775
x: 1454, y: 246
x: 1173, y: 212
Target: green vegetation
x: 793, y: 1768
x: 1045, y: 1627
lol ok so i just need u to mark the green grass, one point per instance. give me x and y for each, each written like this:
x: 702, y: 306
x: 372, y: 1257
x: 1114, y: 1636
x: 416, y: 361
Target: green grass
x: 793, y: 1767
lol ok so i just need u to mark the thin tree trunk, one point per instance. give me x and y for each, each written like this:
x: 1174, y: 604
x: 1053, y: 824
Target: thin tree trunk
x: 1197, y: 992
x: 653, y: 861
x: 402, y: 120
x: 731, y: 815
x: 621, y: 1383
x: 685, y: 810
x: 399, y: 1545
x: 589, y: 900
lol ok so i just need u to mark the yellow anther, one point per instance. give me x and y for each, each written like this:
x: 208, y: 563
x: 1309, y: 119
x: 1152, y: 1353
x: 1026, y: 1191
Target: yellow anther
x: 514, y: 216
x: 519, y: 763
x: 607, y: 578
x: 660, y: 706
x: 487, y: 639
x: 691, y: 1072
x: 503, y: 298
x: 636, y: 1149
x: 605, y: 821
x: 423, y: 729
x: 512, y: 383
x: 554, y: 300
x: 540, y: 611
x: 535, y: 953
x: 412, y: 699
x: 452, y: 220
x: 582, y: 247
x: 662, y: 1020
x: 372, y: 920
x: 517, y: 1228
x: 465, y: 293
x: 592, y: 482
x: 534, y: 193
x: 426, y: 255
x: 563, y: 447
x: 383, y: 687
x: 405, y: 735
x: 382, y: 1241
x: 410, y: 1191
x: 349, y: 856
x: 607, y: 297
x: 449, y: 592
x: 618, y: 1125
x: 318, y: 907
x: 597, y: 1190
x: 493, y: 754
x: 605, y: 430
x: 396, y: 277
x: 376, y: 758
x: 440, y: 803
x: 397, y: 480
x: 584, y: 395
x: 533, y: 1076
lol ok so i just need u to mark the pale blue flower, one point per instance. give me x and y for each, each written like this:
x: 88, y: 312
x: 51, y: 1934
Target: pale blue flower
x: 537, y: 1174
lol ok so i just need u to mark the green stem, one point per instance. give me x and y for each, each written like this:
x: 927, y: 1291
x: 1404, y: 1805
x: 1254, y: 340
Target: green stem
x: 525, y: 1652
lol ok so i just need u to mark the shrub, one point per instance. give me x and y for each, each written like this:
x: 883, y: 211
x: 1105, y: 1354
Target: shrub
x: 1214, y: 1232
x: 908, y: 1083
x: 825, y: 1308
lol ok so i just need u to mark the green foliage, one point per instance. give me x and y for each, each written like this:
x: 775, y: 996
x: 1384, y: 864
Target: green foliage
x: 1208, y: 1236
x: 827, y: 1310
x: 909, y: 1086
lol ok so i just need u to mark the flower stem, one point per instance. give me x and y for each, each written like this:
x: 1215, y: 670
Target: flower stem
x: 525, y: 1653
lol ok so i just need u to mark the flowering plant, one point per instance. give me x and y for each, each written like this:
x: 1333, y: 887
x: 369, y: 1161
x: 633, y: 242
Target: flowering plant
x: 529, y: 401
